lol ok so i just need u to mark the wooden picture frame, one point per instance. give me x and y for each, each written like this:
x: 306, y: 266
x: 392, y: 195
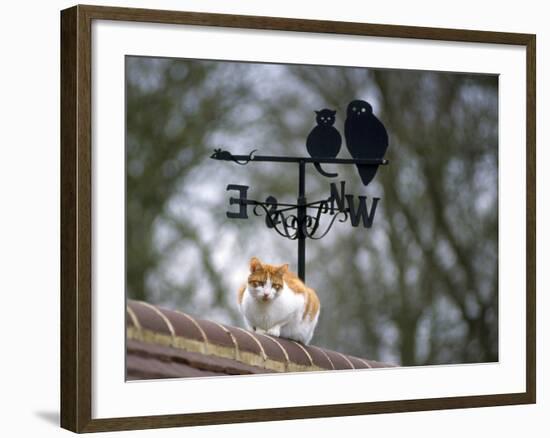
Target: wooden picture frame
x: 76, y: 217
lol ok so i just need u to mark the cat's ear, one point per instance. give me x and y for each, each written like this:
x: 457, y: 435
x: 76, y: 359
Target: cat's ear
x: 317, y: 112
x: 283, y: 269
x: 255, y: 264
x: 333, y: 112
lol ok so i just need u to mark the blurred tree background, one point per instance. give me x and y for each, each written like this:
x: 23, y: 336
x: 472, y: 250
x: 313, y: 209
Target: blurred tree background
x: 420, y: 287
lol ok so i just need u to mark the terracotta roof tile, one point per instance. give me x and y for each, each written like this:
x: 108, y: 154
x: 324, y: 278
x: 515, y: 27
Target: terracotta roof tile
x: 184, y: 325
x: 147, y: 317
x: 170, y: 343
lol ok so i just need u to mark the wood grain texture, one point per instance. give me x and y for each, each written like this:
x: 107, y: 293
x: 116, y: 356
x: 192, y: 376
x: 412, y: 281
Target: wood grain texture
x: 69, y: 319
x: 338, y: 410
x: 76, y: 223
x: 531, y: 213
x: 76, y: 189
x: 300, y: 25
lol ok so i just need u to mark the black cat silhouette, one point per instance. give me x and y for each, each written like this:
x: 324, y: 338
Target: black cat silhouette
x: 366, y: 137
x: 324, y: 141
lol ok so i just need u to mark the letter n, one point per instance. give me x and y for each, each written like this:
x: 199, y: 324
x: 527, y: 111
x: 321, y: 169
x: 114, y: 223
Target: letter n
x: 337, y: 197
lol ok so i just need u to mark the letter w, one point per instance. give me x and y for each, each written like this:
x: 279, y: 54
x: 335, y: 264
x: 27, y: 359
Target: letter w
x: 362, y: 211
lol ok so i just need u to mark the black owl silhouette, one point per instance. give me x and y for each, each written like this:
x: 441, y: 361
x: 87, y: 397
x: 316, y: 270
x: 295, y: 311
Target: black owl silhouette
x: 324, y: 141
x: 366, y: 137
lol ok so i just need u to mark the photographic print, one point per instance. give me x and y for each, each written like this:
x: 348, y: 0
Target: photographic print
x: 308, y: 218
x: 340, y: 215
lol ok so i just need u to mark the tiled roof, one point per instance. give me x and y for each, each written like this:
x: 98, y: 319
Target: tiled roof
x: 164, y: 343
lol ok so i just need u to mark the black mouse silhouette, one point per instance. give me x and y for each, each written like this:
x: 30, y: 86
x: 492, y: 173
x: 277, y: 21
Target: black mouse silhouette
x: 366, y: 137
x: 324, y: 141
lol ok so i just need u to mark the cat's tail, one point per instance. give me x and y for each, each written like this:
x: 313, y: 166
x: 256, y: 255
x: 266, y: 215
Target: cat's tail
x: 322, y: 172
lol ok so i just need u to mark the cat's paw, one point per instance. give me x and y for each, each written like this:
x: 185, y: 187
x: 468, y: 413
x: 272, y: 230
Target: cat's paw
x: 274, y: 331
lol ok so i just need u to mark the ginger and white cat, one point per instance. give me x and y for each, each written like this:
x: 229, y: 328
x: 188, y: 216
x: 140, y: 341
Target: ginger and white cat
x: 275, y: 301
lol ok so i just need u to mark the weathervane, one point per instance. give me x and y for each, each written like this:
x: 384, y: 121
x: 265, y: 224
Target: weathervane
x: 366, y: 140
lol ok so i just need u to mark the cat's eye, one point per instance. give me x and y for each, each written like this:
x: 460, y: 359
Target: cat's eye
x: 353, y: 109
x: 256, y: 284
x: 363, y: 110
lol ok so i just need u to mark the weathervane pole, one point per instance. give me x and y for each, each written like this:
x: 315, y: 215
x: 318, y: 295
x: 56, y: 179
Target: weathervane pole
x: 302, y: 212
